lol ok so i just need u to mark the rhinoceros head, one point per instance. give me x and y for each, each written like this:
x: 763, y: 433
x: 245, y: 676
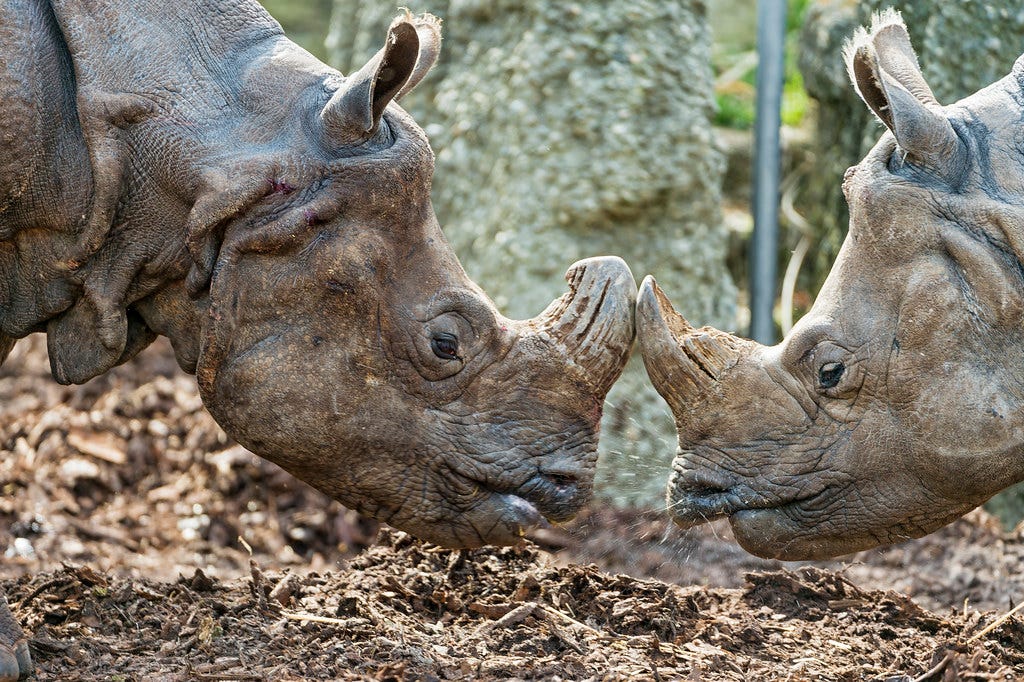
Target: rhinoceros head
x: 897, y: 403
x: 346, y: 343
x: 331, y: 327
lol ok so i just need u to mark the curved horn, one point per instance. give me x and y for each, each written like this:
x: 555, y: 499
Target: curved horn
x: 682, y: 361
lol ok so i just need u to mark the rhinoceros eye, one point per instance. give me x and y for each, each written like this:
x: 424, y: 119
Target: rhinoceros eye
x: 445, y: 346
x: 830, y: 374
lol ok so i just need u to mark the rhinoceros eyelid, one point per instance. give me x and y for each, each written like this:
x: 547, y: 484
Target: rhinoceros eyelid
x: 810, y: 342
x: 807, y: 355
x: 445, y: 346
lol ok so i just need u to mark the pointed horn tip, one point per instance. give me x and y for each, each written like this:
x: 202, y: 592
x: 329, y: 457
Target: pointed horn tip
x: 653, y: 304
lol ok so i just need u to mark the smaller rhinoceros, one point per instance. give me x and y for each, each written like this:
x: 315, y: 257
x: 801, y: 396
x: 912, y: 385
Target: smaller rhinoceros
x: 181, y: 168
x: 897, y: 403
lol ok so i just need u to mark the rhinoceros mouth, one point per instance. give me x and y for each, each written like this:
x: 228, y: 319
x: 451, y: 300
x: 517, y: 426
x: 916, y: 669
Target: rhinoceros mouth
x: 503, y: 516
x: 696, y: 497
x: 554, y: 497
x: 697, y: 510
x: 521, y: 514
x: 496, y: 518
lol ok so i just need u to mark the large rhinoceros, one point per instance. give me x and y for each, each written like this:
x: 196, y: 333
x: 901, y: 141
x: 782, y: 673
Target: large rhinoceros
x: 181, y: 168
x: 897, y: 403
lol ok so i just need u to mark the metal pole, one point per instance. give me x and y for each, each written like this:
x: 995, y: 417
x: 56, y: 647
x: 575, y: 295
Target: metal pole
x: 764, y: 246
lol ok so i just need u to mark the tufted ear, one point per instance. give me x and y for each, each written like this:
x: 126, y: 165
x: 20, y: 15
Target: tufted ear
x: 354, y: 111
x: 885, y: 73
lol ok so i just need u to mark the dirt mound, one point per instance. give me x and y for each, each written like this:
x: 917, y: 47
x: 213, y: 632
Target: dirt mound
x: 129, y: 485
x: 405, y: 610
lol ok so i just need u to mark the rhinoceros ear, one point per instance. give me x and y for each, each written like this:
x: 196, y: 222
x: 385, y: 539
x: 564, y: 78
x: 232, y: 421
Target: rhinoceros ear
x: 885, y: 73
x: 354, y: 111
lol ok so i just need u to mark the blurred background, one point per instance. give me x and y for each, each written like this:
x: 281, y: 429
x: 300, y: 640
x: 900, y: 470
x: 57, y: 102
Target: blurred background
x: 570, y: 129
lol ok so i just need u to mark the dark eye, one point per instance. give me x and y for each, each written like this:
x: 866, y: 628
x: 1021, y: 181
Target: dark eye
x: 830, y: 373
x: 445, y: 346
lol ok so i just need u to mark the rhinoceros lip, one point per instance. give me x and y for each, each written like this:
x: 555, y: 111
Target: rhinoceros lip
x: 525, y: 512
x: 691, y: 511
x: 539, y: 501
x: 500, y: 519
x: 701, y: 497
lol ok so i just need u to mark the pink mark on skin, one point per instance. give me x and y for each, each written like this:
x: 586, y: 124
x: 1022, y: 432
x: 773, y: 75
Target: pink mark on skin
x: 310, y: 216
x: 280, y: 187
x: 596, y: 410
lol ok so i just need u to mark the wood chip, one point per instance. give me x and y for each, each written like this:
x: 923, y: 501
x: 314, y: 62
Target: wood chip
x: 103, y: 446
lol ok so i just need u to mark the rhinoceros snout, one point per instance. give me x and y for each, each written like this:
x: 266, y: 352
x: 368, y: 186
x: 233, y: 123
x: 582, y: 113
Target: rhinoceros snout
x: 698, y: 495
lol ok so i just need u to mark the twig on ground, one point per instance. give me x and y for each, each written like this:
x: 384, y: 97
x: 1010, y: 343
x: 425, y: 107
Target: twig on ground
x: 996, y: 623
x: 344, y: 622
x: 516, y: 615
x: 214, y: 677
x: 557, y: 632
x: 936, y: 669
x: 257, y: 586
x: 42, y: 588
x: 569, y: 619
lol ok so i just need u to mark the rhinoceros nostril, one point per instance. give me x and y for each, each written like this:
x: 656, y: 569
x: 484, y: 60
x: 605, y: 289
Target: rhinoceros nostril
x: 704, y: 490
x: 558, y: 494
x: 561, y: 480
x: 700, y: 484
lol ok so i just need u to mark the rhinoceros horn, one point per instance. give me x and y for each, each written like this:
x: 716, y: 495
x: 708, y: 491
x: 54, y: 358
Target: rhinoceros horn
x: 590, y: 322
x: 682, y: 362
x: 354, y: 111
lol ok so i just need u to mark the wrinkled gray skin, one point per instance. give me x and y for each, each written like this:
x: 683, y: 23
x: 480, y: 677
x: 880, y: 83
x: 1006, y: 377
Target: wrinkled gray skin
x: 895, y: 405
x: 181, y: 168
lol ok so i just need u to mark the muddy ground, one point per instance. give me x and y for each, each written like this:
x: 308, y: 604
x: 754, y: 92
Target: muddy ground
x: 127, y: 520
